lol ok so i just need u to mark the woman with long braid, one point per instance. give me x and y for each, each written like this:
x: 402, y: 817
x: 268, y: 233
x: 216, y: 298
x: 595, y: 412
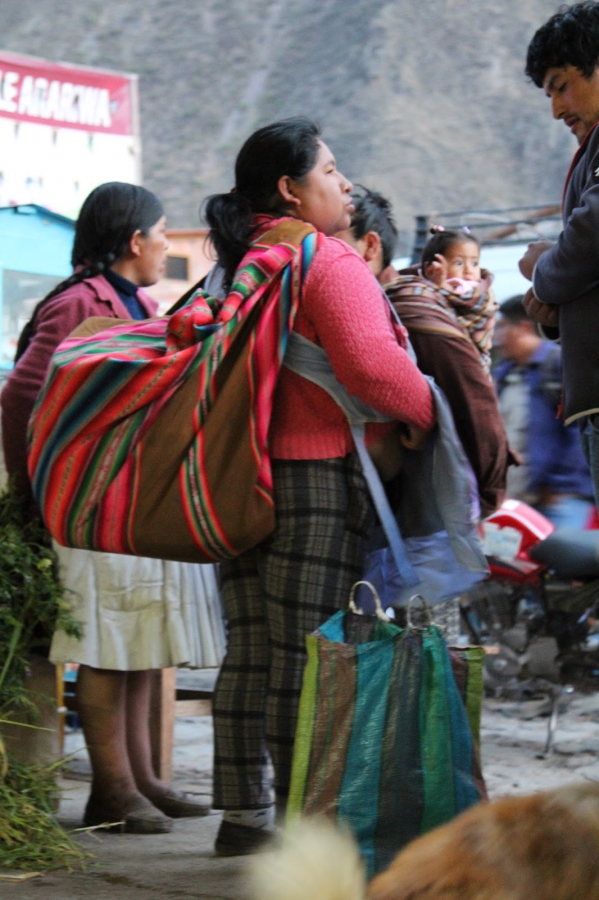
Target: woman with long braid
x: 286, y: 180
x: 130, y: 608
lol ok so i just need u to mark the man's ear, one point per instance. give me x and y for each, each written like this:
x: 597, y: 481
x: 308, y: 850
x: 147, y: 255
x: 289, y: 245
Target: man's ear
x: 373, y: 245
x: 285, y: 187
x: 135, y: 245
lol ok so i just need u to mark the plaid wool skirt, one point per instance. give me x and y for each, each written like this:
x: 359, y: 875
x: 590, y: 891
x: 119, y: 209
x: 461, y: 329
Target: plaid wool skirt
x: 273, y: 596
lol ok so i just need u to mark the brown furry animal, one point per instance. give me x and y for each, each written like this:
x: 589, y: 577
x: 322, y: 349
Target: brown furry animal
x: 539, y: 847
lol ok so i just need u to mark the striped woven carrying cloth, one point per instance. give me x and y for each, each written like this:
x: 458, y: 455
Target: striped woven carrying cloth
x: 150, y: 438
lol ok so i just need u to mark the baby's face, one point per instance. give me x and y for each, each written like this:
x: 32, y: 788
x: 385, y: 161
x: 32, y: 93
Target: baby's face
x: 463, y: 261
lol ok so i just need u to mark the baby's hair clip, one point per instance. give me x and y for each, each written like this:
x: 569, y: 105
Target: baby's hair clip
x: 466, y: 230
x: 436, y: 229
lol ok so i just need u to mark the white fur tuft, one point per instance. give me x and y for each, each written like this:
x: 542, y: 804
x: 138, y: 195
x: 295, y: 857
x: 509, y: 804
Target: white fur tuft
x: 317, y: 861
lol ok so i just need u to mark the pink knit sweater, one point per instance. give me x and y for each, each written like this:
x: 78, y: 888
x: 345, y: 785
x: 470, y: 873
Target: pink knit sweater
x: 343, y: 310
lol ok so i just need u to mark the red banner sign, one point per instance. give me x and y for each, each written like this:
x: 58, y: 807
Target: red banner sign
x: 33, y: 90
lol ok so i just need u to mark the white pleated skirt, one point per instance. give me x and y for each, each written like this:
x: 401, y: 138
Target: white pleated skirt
x: 138, y: 613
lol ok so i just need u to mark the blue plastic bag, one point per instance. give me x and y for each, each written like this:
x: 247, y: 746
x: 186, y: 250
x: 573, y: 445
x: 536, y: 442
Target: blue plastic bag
x: 440, y: 575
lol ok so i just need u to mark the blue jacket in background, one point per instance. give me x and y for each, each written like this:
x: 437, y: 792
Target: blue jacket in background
x: 554, y: 454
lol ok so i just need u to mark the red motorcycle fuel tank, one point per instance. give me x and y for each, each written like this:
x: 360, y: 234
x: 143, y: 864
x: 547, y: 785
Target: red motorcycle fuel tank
x: 508, y: 534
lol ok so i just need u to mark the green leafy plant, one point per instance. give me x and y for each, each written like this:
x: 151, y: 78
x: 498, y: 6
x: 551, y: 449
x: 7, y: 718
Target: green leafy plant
x: 30, y: 836
x: 32, y: 599
x: 32, y: 605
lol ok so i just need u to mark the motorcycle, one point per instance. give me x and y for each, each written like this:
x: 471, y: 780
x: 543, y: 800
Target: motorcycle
x: 542, y: 594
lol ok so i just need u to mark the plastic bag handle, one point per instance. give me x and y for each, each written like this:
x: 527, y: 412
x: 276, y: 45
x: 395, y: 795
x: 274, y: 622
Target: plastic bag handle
x: 425, y: 608
x: 380, y: 613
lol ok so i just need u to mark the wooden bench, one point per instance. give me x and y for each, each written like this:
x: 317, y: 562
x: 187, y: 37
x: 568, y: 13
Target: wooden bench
x: 168, y: 703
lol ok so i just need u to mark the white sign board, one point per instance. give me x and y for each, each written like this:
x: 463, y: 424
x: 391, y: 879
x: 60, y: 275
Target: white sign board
x: 63, y: 130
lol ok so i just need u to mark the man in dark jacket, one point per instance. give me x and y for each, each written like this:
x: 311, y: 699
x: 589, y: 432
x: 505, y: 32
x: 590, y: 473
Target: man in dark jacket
x: 554, y: 476
x: 563, y: 60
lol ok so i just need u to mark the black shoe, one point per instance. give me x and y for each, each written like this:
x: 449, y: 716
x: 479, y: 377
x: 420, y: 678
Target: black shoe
x: 241, y: 840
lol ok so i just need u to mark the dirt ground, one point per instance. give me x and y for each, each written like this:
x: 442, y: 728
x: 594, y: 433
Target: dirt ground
x: 181, y: 864
x: 514, y: 738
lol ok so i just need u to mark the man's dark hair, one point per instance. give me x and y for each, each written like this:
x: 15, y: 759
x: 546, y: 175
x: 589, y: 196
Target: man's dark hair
x: 569, y: 38
x: 374, y: 213
x: 513, y: 311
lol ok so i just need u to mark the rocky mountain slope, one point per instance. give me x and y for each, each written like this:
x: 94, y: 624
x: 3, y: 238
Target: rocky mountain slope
x: 425, y: 100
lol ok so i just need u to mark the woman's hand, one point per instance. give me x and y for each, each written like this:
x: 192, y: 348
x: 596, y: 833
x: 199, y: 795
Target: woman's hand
x: 413, y: 438
x: 544, y: 313
x: 514, y: 458
x: 529, y: 260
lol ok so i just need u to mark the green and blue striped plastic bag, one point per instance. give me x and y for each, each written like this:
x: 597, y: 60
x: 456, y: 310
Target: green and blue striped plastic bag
x: 386, y: 740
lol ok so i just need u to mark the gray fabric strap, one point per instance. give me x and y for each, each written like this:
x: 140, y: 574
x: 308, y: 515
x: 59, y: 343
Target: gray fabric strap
x: 381, y: 504
x: 311, y: 362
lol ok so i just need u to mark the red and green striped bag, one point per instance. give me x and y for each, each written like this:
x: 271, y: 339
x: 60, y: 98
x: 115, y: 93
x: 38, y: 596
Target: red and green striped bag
x: 386, y: 740
x: 150, y: 438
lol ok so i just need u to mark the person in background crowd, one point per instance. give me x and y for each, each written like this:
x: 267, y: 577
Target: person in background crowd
x: 563, y: 60
x: 451, y: 261
x: 292, y: 582
x: 450, y: 332
x: 125, y: 604
x: 449, y: 316
x: 554, y: 476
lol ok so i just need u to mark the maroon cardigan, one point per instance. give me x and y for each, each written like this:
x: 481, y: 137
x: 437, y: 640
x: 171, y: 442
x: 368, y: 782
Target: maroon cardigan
x: 55, y: 321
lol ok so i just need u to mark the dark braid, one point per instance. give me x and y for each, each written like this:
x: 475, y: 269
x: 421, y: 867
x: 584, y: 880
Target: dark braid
x: 288, y: 147
x: 28, y: 329
x: 109, y: 217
